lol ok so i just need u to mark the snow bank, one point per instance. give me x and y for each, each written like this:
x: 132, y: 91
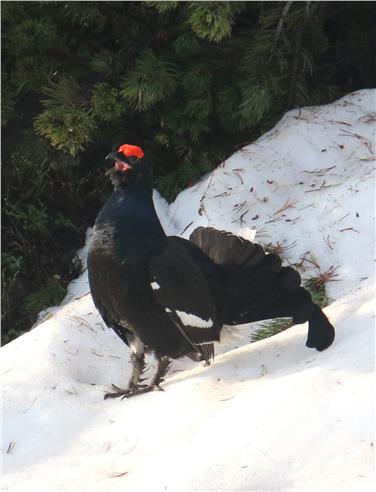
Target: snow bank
x: 309, y: 182
x: 272, y: 415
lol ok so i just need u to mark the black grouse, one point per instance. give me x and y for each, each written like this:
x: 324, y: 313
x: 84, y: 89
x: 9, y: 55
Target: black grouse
x: 170, y: 296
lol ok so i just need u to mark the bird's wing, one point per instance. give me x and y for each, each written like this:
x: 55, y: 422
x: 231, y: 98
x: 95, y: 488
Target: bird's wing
x: 181, y: 288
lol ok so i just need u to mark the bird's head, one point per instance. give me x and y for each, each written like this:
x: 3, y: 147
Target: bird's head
x: 130, y: 167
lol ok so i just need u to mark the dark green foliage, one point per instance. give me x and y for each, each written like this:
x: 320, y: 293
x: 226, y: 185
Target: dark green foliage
x: 150, y: 81
x: 316, y: 287
x: 51, y: 294
x: 189, y: 81
x: 40, y: 230
x: 66, y: 127
x: 213, y: 20
x: 163, y: 6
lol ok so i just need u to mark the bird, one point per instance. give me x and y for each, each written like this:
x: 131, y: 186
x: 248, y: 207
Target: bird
x: 171, y: 297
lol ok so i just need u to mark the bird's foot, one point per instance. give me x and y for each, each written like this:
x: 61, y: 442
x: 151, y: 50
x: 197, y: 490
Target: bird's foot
x: 141, y: 389
x: 138, y: 389
x: 122, y: 392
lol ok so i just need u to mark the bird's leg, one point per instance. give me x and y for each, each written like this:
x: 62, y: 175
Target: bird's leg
x: 138, y: 367
x: 138, y: 364
x: 163, y: 365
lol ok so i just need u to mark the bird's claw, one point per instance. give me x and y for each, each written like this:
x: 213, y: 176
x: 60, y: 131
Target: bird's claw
x: 115, y: 394
x: 138, y: 389
x: 141, y: 389
x: 117, y: 388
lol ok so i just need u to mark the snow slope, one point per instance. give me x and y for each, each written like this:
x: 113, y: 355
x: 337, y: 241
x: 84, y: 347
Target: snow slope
x: 272, y: 415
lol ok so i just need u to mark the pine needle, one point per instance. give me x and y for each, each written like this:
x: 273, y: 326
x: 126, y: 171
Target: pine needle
x: 11, y: 447
x: 271, y: 328
x: 117, y: 474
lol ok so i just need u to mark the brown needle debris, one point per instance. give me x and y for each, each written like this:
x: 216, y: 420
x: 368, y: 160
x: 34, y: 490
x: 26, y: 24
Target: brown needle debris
x: 327, y: 242
x: 286, y: 206
x: 279, y: 248
x: 11, y: 447
x: 117, y: 474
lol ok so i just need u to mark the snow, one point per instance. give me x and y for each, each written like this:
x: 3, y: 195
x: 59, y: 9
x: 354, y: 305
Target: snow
x: 272, y: 415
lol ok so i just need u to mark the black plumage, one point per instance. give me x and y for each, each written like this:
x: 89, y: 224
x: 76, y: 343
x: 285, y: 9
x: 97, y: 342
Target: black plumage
x: 170, y: 296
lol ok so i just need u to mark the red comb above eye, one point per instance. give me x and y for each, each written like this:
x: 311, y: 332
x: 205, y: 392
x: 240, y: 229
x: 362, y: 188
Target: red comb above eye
x: 131, y: 150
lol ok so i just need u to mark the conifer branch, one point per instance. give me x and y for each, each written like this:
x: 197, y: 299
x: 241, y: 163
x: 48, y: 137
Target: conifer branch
x: 296, y: 55
x: 279, y: 30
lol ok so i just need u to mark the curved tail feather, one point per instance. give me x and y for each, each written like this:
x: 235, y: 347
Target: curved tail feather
x: 320, y: 331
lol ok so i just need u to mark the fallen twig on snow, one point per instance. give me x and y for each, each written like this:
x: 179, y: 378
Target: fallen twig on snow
x: 262, y: 232
x: 237, y: 173
x: 293, y: 221
x: 277, y: 219
x: 11, y: 447
x: 80, y: 321
x: 186, y: 227
x: 279, y: 248
x: 239, y: 206
x: 327, y: 242
x: 340, y: 122
x: 364, y: 140
x: 117, y: 474
x: 320, y: 171
x: 240, y: 218
x: 303, y: 258
x: 349, y: 229
x: 322, y: 187
x: 368, y: 118
x: 225, y: 193
x: 327, y: 276
x: 286, y: 206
